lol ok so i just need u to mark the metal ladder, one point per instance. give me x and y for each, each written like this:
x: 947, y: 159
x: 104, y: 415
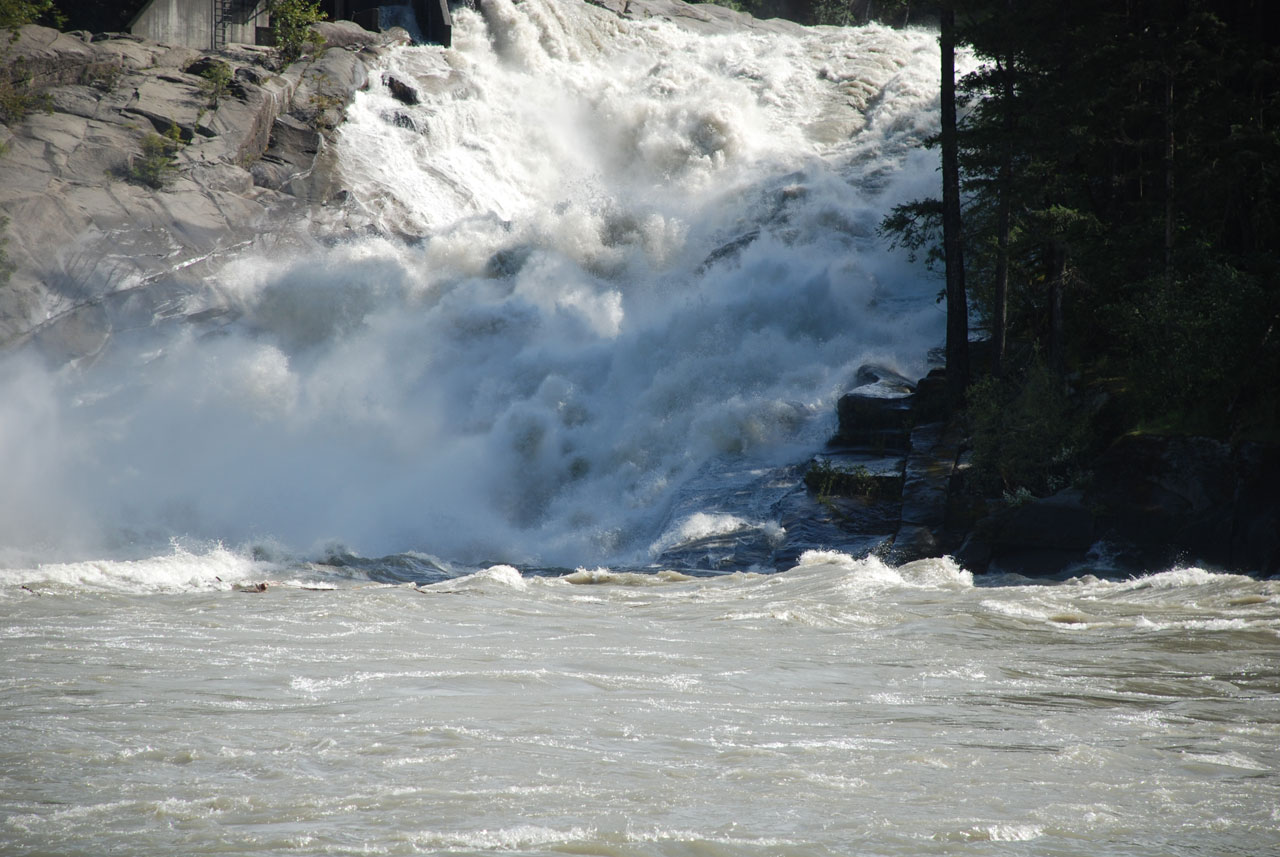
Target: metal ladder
x: 225, y: 13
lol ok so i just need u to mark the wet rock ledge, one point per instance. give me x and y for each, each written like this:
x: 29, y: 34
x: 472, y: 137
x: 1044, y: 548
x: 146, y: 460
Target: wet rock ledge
x: 90, y: 243
x: 896, y: 478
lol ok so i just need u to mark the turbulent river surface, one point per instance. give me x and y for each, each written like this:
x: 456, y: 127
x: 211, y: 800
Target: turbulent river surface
x: 402, y: 541
x: 839, y: 708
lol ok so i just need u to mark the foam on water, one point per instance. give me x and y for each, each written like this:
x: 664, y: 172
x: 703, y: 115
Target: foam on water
x: 180, y: 571
x: 872, y: 572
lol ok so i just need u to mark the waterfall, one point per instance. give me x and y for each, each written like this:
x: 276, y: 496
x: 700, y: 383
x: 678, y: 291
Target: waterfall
x: 596, y: 259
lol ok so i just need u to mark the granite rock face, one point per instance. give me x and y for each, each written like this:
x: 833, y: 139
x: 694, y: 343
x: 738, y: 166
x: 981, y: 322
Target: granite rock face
x: 1191, y: 498
x: 88, y: 240
x: 707, y: 18
x: 85, y: 235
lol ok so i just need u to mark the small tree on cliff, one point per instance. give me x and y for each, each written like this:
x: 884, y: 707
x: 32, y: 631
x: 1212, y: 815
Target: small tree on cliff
x: 17, y: 13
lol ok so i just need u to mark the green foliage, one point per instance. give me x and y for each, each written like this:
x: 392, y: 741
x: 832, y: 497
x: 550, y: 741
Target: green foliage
x: 326, y: 106
x: 158, y: 163
x: 216, y: 83
x: 1203, y: 351
x: 291, y: 22
x: 916, y: 226
x: 6, y: 264
x: 827, y: 480
x: 18, y: 13
x: 17, y: 99
x: 1121, y: 173
x: 102, y: 76
x: 1028, y: 432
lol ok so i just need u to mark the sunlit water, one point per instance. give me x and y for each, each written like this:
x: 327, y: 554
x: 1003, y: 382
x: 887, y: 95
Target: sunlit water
x: 842, y: 707
x: 590, y: 302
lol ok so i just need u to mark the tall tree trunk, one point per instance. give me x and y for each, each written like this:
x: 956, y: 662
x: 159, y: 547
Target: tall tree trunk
x: 1000, y: 311
x: 1169, y: 151
x: 952, y: 247
x: 1057, y: 282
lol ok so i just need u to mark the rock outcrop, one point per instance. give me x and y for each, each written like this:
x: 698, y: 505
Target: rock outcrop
x: 87, y: 238
x: 1151, y: 501
x: 707, y: 18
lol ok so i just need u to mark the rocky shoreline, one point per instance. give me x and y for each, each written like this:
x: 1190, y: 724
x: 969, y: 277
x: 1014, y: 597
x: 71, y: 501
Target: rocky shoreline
x: 1147, y: 501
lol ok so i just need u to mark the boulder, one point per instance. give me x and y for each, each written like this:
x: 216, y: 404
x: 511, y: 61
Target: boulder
x: 293, y: 149
x: 41, y: 57
x: 1172, y: 497
x: 729, y: 251
x: 325, y: 85
x: 873, y: 417
x: 707, y: 18
x: 874, y: 373
x: 1192, y: 498
x: 400, y: 91
x: 871, y: 477
x: 346, y: 34
x: 1255, y: 537
x: 914, y: 542
x: 926, y: 526
x: 1061, y: 522
x: 931, y: 396
x: 974, y: 554
x: 927, y: 478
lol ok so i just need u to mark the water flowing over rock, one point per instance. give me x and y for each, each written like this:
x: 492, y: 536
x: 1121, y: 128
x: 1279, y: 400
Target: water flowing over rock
x: 494, y: 324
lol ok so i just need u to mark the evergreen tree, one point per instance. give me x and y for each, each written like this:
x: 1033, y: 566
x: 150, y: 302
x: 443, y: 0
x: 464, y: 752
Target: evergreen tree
x: 957, y: 346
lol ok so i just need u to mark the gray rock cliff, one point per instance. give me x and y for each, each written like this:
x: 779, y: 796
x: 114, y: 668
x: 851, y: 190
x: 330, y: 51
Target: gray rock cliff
x: 87, y: 240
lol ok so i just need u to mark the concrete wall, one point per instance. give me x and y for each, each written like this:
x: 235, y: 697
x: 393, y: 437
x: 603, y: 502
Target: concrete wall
x: 203, y: 24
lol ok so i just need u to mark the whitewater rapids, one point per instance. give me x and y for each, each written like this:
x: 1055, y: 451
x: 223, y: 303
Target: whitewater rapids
x: 362, y: 549
x: 842, y: 707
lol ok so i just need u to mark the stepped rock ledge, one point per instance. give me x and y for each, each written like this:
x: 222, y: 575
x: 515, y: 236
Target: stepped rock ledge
x: 92, y: 249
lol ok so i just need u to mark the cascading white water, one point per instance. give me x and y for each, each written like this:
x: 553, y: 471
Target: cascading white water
x: 598, y: 257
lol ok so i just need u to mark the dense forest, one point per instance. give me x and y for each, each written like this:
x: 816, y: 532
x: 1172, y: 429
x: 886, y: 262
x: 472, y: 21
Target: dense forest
x: 1119, y: 176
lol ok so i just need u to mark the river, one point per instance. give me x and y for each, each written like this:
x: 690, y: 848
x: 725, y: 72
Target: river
x: 458, y: 527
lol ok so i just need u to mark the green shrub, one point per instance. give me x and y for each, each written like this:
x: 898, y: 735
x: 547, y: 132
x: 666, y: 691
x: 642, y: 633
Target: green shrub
x: 827, y: 480
x: 158, y: 162
x: 1029, y: 433
x: 6, y: 264
x: 216, y: 83
x: 17, y: 99
x: 291, y: 22
x: 102, y: 76
x: 17, y: 13
x: 1204, y: 351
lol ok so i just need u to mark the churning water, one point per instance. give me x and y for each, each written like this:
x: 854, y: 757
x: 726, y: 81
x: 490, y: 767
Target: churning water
x: 599, y: 285
x: 598, y: 259
x: 839, y: 708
